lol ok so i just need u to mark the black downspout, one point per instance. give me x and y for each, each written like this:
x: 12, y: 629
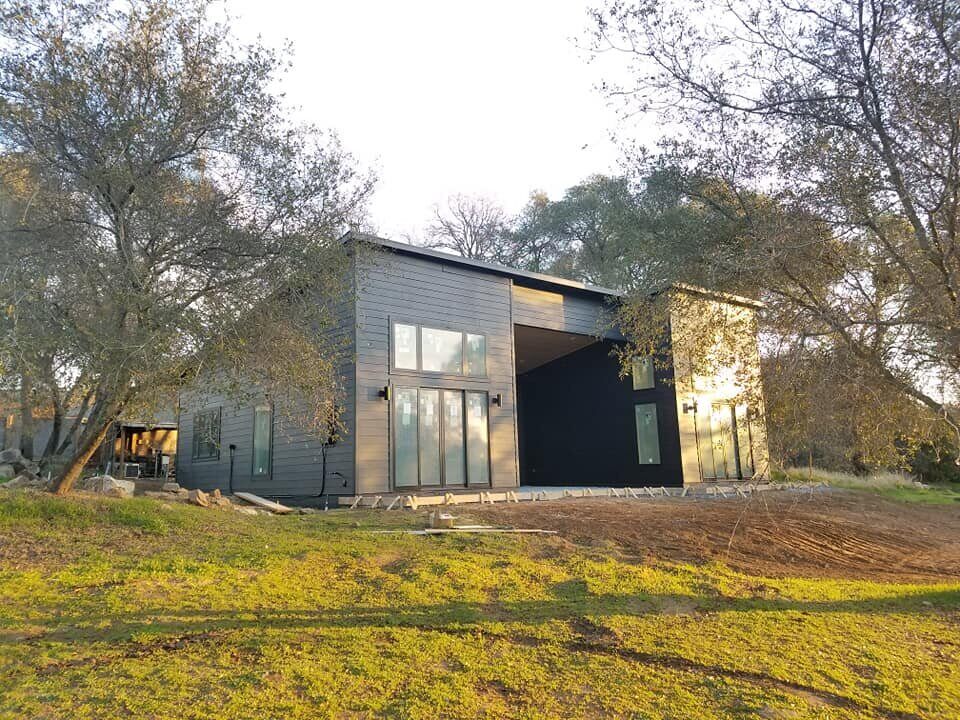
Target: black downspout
x: 233, y: 450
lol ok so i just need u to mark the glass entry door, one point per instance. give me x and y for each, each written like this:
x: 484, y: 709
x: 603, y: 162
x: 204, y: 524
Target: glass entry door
x: 440, y: 438
x: 724, y: 443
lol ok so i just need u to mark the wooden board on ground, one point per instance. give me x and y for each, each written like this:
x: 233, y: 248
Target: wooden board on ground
x: 273, y: 507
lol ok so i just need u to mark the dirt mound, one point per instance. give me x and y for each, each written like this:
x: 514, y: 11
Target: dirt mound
x: 828, y: 534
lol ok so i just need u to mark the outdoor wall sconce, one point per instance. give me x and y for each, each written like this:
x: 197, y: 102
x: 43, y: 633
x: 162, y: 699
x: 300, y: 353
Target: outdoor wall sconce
x: 497, y: 400
x: 384, y: 392
x: 689, y: 407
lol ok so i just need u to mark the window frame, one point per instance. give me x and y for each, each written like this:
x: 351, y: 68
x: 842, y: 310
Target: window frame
x: 464, y: 332
x: 253, y: 444
x: 195, y: 444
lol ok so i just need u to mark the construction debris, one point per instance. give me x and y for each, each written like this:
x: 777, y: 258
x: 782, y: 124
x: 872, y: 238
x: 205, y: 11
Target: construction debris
x: 273, y: 507
x: 489, y: 497
x: 441, y: 520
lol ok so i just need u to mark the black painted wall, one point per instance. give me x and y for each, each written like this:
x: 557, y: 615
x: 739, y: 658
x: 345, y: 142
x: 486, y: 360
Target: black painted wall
x: 577, y: 424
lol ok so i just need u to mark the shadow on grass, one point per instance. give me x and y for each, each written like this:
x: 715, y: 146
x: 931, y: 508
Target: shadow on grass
x: 570, y: 602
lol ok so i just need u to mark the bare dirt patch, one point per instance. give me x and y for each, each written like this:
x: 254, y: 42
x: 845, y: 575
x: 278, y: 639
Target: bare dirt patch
x: 828, y: 534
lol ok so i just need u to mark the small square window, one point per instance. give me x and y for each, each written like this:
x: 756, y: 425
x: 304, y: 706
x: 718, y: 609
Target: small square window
x: 642, y: 372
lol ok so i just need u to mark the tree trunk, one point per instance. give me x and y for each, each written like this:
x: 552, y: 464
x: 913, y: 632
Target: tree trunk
x: 27, y: 424
x: 71, y: 473
x: 71, y: 435
x: 55, y: 429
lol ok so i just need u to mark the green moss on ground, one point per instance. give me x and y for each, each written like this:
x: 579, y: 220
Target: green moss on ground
x: 138, y: 609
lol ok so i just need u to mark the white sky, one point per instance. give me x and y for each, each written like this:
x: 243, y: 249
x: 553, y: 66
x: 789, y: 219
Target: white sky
x: 485, y: 98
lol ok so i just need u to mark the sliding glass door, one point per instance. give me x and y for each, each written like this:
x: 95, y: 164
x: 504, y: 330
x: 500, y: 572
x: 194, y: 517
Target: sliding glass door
x: 440, y: 438
x: 405, y: 457
x: 454, y: 448
x: 478, y: 439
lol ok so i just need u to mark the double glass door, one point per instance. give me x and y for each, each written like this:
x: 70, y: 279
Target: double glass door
x: 440, y: 438
x: 723, y: 437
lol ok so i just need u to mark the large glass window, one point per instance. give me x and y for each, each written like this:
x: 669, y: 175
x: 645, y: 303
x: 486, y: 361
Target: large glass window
x: 642, y: 373
x: 262, y: 430
x: 478, y: 439
x: 406, y: 462
x: 451, y: 352
x: 206, y: 435
x: 476, y: 355
x: 405, y: 346
x: 442, y: 350
x: 648, y: 436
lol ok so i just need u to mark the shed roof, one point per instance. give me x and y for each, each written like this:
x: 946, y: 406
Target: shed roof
x: 534, y: 279
x: 528, y: 278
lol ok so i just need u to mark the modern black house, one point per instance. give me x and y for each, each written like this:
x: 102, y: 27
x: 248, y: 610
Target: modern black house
x: 463, y: 374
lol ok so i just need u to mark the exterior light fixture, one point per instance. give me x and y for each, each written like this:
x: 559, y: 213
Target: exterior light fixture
x: 497, y: 400
x: 384, y: 392
x: 690, y: 407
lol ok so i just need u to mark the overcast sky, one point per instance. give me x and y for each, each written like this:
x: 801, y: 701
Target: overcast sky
x: 492, y: 98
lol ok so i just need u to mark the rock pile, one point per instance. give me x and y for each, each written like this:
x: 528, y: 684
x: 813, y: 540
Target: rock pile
x: 25, y: 472
x: 173, y: 492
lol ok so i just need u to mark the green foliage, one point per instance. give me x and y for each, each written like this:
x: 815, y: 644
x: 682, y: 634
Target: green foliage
x: 234, y: 617
x: 160, y: 214
x: 936, y: 462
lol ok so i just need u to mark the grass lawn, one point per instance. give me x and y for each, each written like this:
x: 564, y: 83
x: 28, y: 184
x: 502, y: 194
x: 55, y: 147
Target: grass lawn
x: 136, y: 609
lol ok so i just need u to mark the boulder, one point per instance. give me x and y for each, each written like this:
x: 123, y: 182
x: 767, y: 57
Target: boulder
x: 15, y: 459
x: 216, y: 493
x: 307, y: 510
x: 170, y: 487
x: 198, y: 497
x: 220, y: 501
x: 7, y: 471
x: 25, y: 481
x: 107, y: 485
x: 245, y: 510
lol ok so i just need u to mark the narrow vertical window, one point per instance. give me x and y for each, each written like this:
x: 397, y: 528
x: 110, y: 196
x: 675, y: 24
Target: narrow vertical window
x: 476, y: 355
x: 206, y: 435
x: 405, y: 346
x: 648, y: 436
x: 262, y: 432
x: 642, y: 372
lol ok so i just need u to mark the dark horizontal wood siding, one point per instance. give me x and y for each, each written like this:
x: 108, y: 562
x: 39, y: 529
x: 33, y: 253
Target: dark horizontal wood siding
x: 393, y: 286
x: 297, y: 465
x: 578, y: 424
